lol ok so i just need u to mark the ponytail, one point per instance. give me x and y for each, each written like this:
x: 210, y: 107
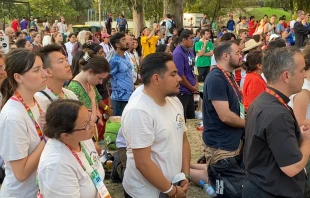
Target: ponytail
x: 6, y: 90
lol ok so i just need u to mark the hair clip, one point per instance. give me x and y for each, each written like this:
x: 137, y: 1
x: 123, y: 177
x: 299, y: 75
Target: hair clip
x: 86, y: 57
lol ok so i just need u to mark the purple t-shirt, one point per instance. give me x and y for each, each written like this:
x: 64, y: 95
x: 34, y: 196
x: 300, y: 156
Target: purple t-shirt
x: 23, y: 24
x: 184, y: 61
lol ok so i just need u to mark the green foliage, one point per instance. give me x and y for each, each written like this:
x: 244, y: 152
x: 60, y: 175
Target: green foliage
x: 260, y: 12
x: 51, y: 8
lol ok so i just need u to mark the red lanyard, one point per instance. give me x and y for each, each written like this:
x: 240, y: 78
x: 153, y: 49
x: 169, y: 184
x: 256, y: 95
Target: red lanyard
x: 271, y: 92
x: 77, y: 157
x: 231, y: 83
x: 19, y: 98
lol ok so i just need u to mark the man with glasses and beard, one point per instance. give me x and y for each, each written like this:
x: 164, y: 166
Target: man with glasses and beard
x: 223, y: 108
x: 153, y: 125
x: 121, y: 74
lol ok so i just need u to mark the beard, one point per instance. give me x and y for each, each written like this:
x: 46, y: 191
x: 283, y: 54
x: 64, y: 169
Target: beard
x: 124, y: 48
x: 235, y: 64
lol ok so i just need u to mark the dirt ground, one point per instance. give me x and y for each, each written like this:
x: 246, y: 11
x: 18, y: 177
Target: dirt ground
x: 195, y: 141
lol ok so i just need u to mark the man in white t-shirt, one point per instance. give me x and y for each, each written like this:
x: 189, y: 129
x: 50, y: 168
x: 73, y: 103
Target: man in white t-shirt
x: 154, y: 128
x: 58, y: 72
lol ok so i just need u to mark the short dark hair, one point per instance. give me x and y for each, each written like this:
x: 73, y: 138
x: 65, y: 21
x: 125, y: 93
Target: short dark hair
x: 45, y: 52
x: 242, y: 31
x: 61, y: 117
x: 115, y: 39
x: 71, y: 34
x: 281, y: 18
x: 17, y: 34
x: 243, y: 18
x: 168, y: 16
x: 154, y: 64
x: 198, y: 31
x: 256, y: 37
x: 252, y: 17
x: 253, y: 58
x: 223, y: 47
x: 20, y: 43
x: 161, y: 48
x: 227, y: 36
x: 203, y: 31
x: 185, y: 34
x: 276, y: 44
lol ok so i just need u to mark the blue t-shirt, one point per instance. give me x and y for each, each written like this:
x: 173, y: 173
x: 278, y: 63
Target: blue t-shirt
x: 280, y: 28
x: 217, y: 134
x: 121, y: 78
x: 230, y: 25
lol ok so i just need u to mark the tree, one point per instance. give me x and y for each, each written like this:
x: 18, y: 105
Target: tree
x: 51, y: 9
x: 80, y: 6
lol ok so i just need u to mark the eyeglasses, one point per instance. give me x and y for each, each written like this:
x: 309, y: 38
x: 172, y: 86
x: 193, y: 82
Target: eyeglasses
x: 86, y: 127
x: 2, y: 67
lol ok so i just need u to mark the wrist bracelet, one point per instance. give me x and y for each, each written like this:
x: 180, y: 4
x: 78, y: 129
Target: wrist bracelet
x: 169, y: 190
x: 188, y: 177
x: 44, y: 139
x: 106, y: 107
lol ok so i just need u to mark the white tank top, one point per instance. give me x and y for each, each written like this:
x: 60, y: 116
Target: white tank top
x: 305, y: 86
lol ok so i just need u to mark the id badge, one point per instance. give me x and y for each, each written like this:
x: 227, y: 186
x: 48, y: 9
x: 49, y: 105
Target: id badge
x: 102, y: 189
x: 242, y: 111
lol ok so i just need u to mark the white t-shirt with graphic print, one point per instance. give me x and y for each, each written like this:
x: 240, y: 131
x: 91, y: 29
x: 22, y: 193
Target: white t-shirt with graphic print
x: 145, y: 124
x: 60, y: 174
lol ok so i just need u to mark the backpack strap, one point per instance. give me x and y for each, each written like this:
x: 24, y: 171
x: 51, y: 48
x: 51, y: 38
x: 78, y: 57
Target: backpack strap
x: 49, y: 97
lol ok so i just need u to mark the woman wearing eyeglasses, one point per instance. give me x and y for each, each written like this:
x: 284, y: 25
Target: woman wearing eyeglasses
x: 69, y: 165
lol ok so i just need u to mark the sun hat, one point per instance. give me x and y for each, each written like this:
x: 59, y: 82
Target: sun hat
x: 250, y: 44
x: 105, y: 35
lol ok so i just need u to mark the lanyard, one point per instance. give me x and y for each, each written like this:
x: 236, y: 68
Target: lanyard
x: 271, y: 92
x: 77, y: 157
x: 58, y: 96
x: 231, y: 83
x: 19, y: 98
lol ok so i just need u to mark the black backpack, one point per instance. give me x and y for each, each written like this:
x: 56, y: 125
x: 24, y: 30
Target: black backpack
x: 172, y: 26
x: 227, y: 177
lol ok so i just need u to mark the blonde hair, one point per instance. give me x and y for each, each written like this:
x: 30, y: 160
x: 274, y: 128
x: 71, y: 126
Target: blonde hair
x: 81, y: 37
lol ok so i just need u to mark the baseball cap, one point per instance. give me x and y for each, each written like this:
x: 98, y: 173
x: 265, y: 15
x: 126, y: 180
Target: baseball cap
x: 273, y: 36
x: 105, y: 35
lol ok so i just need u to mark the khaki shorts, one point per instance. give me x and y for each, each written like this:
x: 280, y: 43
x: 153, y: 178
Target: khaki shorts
x: 213, y: 155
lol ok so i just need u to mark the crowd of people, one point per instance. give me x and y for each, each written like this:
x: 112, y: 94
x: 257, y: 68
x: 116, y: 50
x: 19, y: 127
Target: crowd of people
x: 57, y: 86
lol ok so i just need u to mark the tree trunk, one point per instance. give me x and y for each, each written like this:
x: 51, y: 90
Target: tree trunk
x: 138, y: 17
x: 165, y: 11
x: 178, y: 13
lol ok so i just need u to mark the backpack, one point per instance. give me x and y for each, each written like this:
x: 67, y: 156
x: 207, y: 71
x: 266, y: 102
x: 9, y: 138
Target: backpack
x: 172, y: 27
x: 122, y: 22
x: 111, y: 131
x: 227, y: 177
x: 2, y: 172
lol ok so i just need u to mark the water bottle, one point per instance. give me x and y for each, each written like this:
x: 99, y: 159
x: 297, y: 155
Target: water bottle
x: 208, y: 189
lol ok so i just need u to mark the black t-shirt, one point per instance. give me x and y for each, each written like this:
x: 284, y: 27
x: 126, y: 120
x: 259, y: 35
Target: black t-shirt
x: 103, y: 89
x: 216, y: 133
x: 272, y: 140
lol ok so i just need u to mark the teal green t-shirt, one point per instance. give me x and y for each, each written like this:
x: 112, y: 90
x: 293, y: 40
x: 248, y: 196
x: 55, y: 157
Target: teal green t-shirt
x: 203, y: 61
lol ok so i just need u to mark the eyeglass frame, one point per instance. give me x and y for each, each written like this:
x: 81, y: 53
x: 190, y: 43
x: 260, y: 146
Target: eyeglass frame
x: 85, y: 128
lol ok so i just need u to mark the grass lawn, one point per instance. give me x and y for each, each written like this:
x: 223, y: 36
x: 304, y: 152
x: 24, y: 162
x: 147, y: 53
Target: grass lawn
x: 259, y: 13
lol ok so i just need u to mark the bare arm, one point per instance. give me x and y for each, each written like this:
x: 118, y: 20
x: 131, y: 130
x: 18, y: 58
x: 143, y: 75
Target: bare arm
x: 22, y: 168
x: 301, y: 102
x: 150, y: 170
x: 186, y: 155
x: 227, y: 116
